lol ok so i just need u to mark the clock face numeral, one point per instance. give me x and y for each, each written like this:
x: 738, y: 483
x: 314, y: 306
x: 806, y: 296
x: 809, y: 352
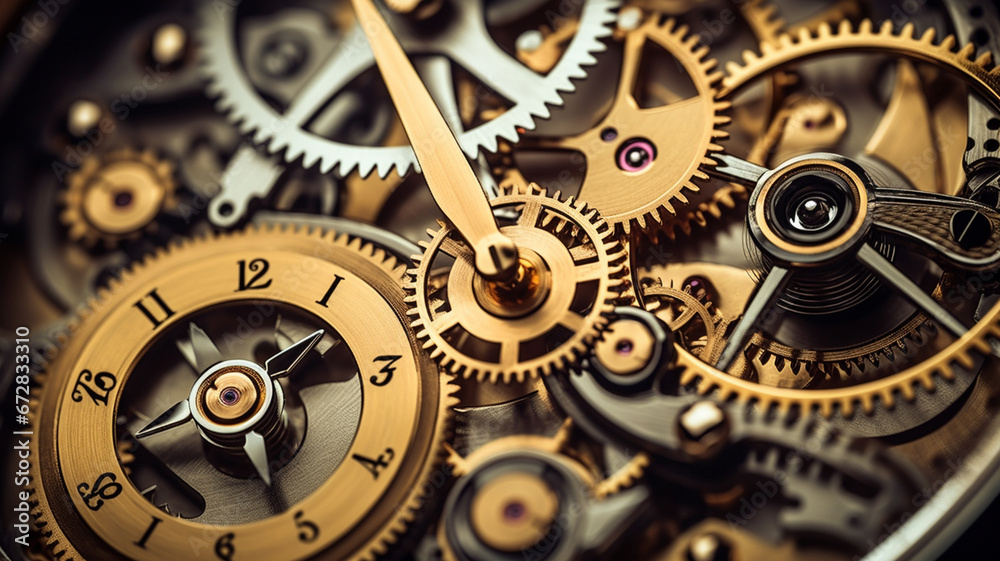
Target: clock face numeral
x: 388, y: 369
x: 105, y: 488
x: 224, y: 548
x: 375, y: 466
x: 97, y: 386
x: 161, y: 311
x: 149, y: 532
x: 257, y: 281
x: 329, y: 292
x: 308, y: 531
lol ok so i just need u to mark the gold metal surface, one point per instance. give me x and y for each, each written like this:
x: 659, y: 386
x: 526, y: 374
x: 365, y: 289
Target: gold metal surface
x: 519, y: 296
x: 250, y: 396
x: 493, y: 511
x: 359, y: 515
x: 625, y: 347
x: 681, y: 134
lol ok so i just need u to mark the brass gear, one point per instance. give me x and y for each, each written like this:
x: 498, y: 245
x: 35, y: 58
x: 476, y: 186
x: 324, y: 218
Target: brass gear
x: 117, y: 196
x: 187, y: 277
x: 651, y: 153
x: 865, y: 38
x: 580, y: 271
x: 905, y: 385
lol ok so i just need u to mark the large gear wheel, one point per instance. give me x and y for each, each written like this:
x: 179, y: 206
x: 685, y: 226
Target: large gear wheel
x: 575, y: 268
x: 962, y: 354
x: 531, y: 94
x: 117, y: 196
x: 378, y: 487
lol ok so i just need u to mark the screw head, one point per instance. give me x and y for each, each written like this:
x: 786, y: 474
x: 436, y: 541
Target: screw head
x: 971, y: 228
x: 701, y: 420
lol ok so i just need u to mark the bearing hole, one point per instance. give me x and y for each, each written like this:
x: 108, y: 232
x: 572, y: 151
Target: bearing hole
x: 624, y: 347
x: 636, y: 155
x: 123, y: 199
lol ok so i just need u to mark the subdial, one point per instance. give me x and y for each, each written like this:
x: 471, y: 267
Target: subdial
x: 256, y: 395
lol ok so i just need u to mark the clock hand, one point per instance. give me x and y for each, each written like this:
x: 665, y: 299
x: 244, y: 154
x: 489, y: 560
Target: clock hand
x: 451, y: 179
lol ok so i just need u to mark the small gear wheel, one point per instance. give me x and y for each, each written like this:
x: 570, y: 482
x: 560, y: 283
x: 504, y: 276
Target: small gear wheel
x: 572, y: 271
x: 117, y: 196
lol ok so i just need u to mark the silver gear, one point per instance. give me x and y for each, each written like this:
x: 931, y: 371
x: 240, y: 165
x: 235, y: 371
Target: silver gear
x: 467, y: 43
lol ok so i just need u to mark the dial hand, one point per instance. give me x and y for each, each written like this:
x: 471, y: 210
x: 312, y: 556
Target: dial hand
x: 256, y: 450
x: 282, y: 363
x: 205, y: 352
x: 451, y: 179
x: 176, y: 416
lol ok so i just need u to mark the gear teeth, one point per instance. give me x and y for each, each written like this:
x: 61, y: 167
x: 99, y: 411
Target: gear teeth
x: 253, y: 117
x: 788, y: 48
x: 587, y: 221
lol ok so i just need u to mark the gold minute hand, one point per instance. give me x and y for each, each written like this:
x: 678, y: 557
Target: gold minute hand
x: 448, y: 173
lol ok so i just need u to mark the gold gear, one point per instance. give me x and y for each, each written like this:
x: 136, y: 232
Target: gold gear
x: 688, y: 313
x: 865, y: 38
x: 478, y: 329
x: 117, y: 196
x: 902, y: 385
x: 761, y: 18
x: 670, y: 142
x: 357, y: 516
x: 840, y: 362
x: 764, y: 21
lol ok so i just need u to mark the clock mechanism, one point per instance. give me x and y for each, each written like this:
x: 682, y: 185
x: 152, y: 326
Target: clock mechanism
x: 490, y: 280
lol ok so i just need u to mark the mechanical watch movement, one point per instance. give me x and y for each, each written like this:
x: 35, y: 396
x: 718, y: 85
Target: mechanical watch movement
x: 498, y: 280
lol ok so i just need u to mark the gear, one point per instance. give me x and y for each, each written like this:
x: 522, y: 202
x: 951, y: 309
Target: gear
x: 572, y: 271
x: 702, y: 327
x: 761, y: 18
x: 530, y: 94
x: 601, y: 484
x: 959, y: 355
x: 652, y: 153
x: 401, y: 433
x: 117, y: 196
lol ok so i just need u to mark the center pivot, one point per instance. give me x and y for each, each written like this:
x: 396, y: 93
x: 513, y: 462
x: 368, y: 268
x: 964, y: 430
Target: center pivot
x: 522, y: 294
x: 231, y: 395
x: 810, y: 211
